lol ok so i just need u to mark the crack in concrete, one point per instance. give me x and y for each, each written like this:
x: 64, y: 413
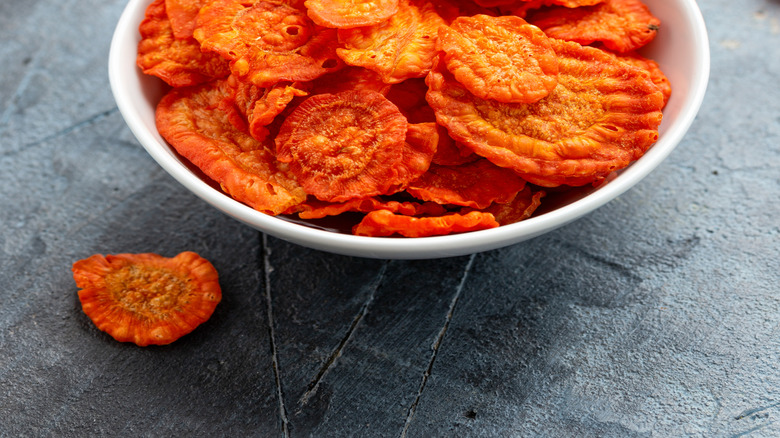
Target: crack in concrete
x: 436, y: 345
x: 315, y: 383
x: 267, y: 269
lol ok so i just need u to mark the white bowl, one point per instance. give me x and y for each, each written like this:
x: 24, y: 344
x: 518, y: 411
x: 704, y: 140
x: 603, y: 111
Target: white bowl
x: 681, y: 48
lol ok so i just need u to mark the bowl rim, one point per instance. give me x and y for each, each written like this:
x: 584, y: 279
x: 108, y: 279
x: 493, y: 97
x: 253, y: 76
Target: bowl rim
x: 392, y: 247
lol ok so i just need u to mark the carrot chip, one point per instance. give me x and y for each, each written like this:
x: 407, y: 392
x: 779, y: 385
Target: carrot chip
x: 399, y: 48
x: 500, y: 58
x: 147, y: 299
x: 183, y: 15
x: 342, y: 146
x: 383, y: 223
x: 345, y: 14
x: 267, y: 42
x: 179, y: 62
x: 602, y: 115
x: 621, y: 25
x: 246, y: 169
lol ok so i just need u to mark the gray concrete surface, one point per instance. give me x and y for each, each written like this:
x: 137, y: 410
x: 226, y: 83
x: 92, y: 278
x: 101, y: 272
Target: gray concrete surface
x: 656, y: 315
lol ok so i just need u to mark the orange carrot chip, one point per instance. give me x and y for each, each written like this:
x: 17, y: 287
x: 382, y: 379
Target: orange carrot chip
x: 246, y: 169
x: 399, y: 48
x: 500, y: 58
x: 419, y: 148
x: 451, y: 153
x: 179, y: 62
x: 343, y: 146
x: 656, y: 74
x: 183, y: 15
x: 620, y: 25
x: 477, y: 184
x: 521, y: 207
x: 267, y: 42
x: 315, y: 209
x: 602, y: 115
x: 349, y: 78
x: 345, y: 14
x: 147, y: 299
x: 382, y: 223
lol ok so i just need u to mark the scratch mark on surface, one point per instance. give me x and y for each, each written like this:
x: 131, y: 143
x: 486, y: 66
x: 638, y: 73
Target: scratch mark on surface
x: 436, y: 345
x: 267, y: 269
x: 80, y: 124
x: 751, y: 430
x: 315, y: 383
x: 23, y: 84
x: 749, y: 412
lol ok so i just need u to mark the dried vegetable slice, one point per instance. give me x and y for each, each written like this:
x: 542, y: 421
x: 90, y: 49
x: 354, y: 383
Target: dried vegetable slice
x: 477, y: 184
x: 602, y: 115
x: 349, y: 78
x: 314, y: 209
x: 267, y: 42
x: 520, y: 208
x: 147, y: 299
x: 398, y: 48
x: 343, y: 146
x: 345, y: 14
x: 183, y: 15
x: 420, y: 146
x: 450, y: 153
x: 656, y: 74
x: 246, y: 169
x: 383, y: 223
x: 409, y: 97
x: 260, y: 106
x: 522, y: 7
x: 500, y: 58
x: 178, y: 62
x: 620, y: 25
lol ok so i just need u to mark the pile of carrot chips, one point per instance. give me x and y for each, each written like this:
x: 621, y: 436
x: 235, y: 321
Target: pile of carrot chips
x: 412, y: 117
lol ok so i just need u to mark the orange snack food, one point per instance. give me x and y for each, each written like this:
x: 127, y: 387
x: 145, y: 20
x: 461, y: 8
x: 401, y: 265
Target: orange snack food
x: 621, y: 25
x: 267, y: 42
x: 345, y: 14
x: 602, y: 115
x: 404, y: 118
x: 147, y: 299
x: 477, y: 184
x: 399, y: 48
x: 245, y: 168
x: 179, y: 62
x: 500, y: 58
x: 382, y: 223
x: 345, y: 145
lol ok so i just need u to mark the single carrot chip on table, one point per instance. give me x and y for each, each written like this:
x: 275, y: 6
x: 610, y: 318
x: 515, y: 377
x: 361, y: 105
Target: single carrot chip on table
x: 343, y: 146
x: 602, y: 115
x: 178, y: 62
x: 620, y: 25
x: 383, y: 223
x: 345, y: 14
x: 147, y: 299
x: 246, y: 169
x: 267, y: 42
x: 401, y: 47
x: 500, y: 58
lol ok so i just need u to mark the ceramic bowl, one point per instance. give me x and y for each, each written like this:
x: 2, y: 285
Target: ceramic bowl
x: 681, y: 48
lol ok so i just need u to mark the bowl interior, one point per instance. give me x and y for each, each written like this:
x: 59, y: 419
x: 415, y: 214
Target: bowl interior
x: 681, y: 49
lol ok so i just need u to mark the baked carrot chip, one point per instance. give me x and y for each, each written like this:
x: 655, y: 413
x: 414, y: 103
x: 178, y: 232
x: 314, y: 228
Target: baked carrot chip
x: 477, y: 184
x: 314, y: 209
x: 602, y: 115
x: 345, y: 14
x: 521, y: 207
x: 178, y: 62
x: 343, y: 146
x: 246, y: 169
x: 399, y: 48
x: 147, y: 299
x: 620, y: 25
x: 267, y: 42
x: 383, y: 223
x: 656, y: 74
x: 183, y: 15
x: 500, y: 58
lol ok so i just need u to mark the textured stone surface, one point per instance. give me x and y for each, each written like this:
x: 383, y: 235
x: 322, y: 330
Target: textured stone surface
x: 656, y: 315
